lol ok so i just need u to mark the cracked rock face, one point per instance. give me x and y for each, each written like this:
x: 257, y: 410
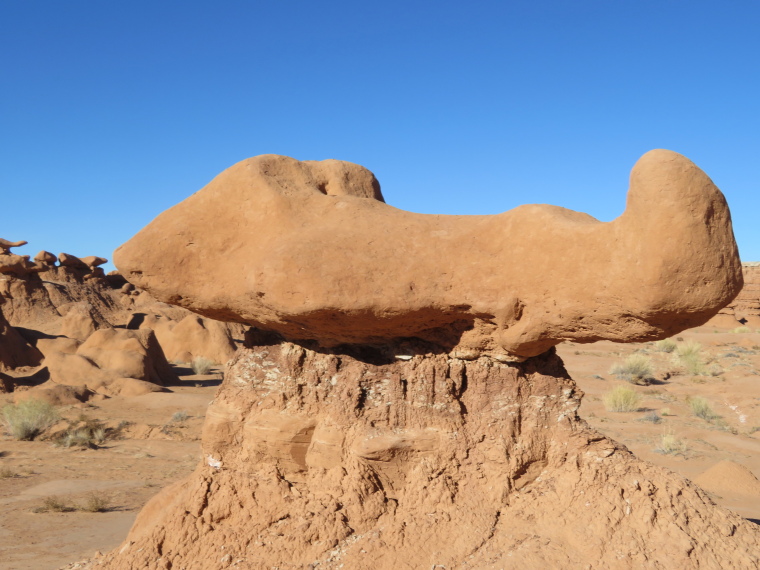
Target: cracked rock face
x: 396, y: 457
x: 310, y: 250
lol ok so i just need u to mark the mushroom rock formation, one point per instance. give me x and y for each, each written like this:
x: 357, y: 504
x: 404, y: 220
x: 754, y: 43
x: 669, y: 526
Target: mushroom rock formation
x: 5, y: 245
x: 68, y: 260
x: 511, y: 285
x: 401, y: 453
x: 45, y: 257
x: 93, y: 261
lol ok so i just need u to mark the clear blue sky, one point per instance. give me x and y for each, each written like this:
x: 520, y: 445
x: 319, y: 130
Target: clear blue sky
x: 111, y: 112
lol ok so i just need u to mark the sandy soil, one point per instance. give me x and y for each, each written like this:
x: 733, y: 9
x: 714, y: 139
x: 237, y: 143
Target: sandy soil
x: 734, y: 395
x: 155, y: 451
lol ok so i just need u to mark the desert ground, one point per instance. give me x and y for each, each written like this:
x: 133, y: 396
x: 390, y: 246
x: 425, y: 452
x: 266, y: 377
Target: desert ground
x: 159, y: 443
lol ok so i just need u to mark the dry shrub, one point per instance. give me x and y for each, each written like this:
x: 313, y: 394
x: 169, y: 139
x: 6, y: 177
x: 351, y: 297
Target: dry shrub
x: 701, y: 408
x: 54, y: 504
x: 670, y: 444
x: 201, y: 366
x: 636, y: 369
x: 29, y: 418
x: 96, y: 503
x: 622, y: 399
x: 689, y: 356
x: 666, y: 345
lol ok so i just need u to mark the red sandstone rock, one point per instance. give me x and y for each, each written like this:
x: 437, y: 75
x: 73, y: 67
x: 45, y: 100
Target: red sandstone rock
x: 192, y: 337
x: 309, y: 250
x: 5, y: 245
x: 324, y: 460
x: 14, y: 350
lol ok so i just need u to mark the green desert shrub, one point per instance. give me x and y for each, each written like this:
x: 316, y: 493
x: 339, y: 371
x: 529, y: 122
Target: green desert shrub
x: 636, y: 369
x: 622, y: 399
x: 201, y: 365
x: 29, y: 418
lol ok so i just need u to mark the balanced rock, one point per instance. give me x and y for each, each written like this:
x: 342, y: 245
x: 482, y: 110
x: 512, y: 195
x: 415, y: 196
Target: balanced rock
x: 5, y: 245
x: 93, y: 261
x: 309, y: 250
x: 68, y: 260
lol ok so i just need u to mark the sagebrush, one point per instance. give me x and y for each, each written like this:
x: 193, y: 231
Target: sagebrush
x: 29, y: 418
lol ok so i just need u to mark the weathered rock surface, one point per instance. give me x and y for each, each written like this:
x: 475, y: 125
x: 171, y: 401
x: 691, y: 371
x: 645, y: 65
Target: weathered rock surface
x: 385, y: 461
x: 309, y: 250
x: 191, y: 337
x: 108, y: 356
x: 6, y: 245
x: 745, y: 308
x: 15, y: 352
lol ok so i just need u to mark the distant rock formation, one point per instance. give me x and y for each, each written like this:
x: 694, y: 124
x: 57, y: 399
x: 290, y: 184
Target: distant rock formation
x: 745, y: 308
x: 64, y: 339
x: 511, y: 285
x: 437, y: 451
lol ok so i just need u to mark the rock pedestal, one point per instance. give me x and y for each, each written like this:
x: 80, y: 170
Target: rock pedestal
x: 399, y: 457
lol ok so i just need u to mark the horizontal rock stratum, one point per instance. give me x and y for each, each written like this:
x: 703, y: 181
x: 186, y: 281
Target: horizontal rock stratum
x: 310, y: 250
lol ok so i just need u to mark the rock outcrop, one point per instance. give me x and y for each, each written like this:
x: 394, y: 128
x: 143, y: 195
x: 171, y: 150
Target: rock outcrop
x: 106, y: 356
x: 745, y: 308
x: 512, y: 284
x: 384, y: 460
x: 15, y: 352
x: 418, y: 443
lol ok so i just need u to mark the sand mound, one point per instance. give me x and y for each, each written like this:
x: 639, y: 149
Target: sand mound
x: 729, y: 478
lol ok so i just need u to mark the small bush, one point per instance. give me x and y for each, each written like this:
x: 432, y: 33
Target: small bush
x: 96, y: 503
x: 665, y: 412
x: 7, y: 473
x: 201, y: 366
x: 84, y: 432
x: 652, y: 418
x: 54, y: 505
x: 179, y: 417
x: 636, y: 369
x: 670, y: 444
x: 689, y: 356
x: 701, y: 408
x: 29, y: 418
x: 622, y: 399
x: 666, y: 345
x: 742, y: 330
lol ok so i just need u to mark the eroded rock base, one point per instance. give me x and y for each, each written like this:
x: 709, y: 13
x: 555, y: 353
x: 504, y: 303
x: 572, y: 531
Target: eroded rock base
x: 395, y: 459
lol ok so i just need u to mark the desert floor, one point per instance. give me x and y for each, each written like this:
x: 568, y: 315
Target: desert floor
x: 155, y: 440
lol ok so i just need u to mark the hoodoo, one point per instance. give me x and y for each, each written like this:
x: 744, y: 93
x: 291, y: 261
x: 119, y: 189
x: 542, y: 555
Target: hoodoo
x: 399, y: 402
x: 309, y: 250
